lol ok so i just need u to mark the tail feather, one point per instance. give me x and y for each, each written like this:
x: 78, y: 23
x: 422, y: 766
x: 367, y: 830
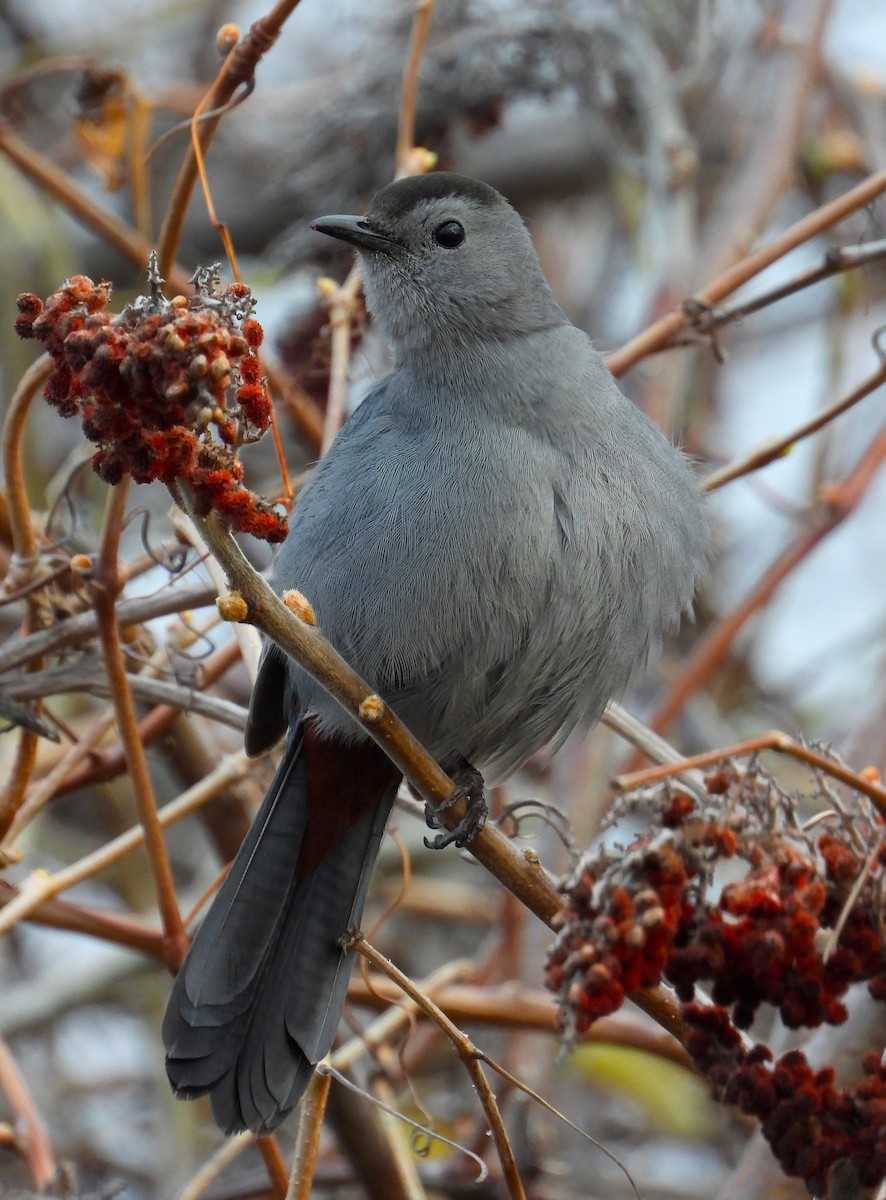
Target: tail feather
x: 247, y: 911
x: 259, y: 998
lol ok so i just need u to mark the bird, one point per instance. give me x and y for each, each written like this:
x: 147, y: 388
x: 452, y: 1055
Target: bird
x: 495, y: 541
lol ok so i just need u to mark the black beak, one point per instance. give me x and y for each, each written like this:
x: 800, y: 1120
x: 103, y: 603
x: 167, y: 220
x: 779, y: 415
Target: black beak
x: 357, y: 232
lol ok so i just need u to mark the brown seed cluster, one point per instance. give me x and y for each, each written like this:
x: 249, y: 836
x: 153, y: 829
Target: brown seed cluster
x: 168, y: 390
x: 654, y: 912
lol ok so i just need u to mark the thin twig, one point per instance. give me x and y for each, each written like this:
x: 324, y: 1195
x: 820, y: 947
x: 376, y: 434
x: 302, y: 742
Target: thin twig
x: 116, y: 233
x: 24, y: 539
x: 409, y: 89
x: 775, y: 740
x: 777, y: 447
x: 105, y: 577
x: 400, y: 1010
x: 250, y: 642
x: 324, y: 1068
x: 238, y: 71
x: 837, y: 260
x: 43, y: 790
x: 769, y: 171
x: 505, y: 1006
x: 278, y: 1177
x: 403, y: 1159
x: 835, y: 505
x: 713, y: 647
x: 302, y: 408
x: 109, y: 762
x: 23, y: 567
x: 469, y: 1055
x: 81, y: 676
x: 653, y: 745
x: 106, y: 926
x: 872, y: 860
x: 341, y: 301
x: 213, y: 1167
x: 657, y: 335
x: 137, y: 611
x: 31, y: 1137
x: 555, y: 1112
x: 307, y: 1144
x: 39, y: 887
x: 18, y: 778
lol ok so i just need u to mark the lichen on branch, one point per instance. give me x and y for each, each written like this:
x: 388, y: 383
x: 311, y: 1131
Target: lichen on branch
x: 168, y: 389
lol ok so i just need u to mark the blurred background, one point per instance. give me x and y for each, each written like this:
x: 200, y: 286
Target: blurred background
x: 649, y: 145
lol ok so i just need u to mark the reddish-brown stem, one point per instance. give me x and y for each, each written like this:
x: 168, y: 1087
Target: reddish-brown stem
x: 130, y: 244
x: 21, y: 527
x: 307, y: 1144
x: 19, y: 775
x: 269, y: 1149
x: 105, y: 576
x: 238, y: 70
x: 837, y: 502
x: 774, y: 740
x: 660, y: 332
x: 107, y: 926
x: 24, y: 563
x: 31, y: 1138
x: 778, y: 447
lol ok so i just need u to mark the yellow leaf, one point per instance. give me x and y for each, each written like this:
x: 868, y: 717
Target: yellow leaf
x: 676, y: 1102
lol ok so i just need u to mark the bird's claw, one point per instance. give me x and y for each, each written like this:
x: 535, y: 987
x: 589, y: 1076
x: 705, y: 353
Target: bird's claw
x: 470, y: 789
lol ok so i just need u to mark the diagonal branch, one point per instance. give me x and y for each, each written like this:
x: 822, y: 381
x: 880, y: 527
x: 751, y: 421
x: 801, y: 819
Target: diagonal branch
x: 778, y: 447
x: 469, y: 1055
x: 163, y: 603
x: 521, y: 873
x: 660, y: 333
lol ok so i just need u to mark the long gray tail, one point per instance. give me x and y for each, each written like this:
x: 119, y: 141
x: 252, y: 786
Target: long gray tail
x: 258, y: 999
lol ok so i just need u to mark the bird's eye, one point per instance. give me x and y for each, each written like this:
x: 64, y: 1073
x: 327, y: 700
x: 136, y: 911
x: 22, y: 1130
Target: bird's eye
x: 450, y: 234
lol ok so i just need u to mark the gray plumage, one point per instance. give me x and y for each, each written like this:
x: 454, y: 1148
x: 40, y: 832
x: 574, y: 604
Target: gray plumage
x: 495, y: 541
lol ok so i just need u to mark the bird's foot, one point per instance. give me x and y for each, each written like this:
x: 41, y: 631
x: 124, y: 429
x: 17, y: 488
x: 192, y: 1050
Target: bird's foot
x: 470, y: 788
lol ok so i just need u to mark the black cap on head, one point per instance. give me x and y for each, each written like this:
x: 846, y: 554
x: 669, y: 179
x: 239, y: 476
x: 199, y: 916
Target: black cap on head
x: 399, y: 198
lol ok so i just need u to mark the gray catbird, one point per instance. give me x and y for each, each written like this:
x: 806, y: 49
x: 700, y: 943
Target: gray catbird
x: 494, y: 541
